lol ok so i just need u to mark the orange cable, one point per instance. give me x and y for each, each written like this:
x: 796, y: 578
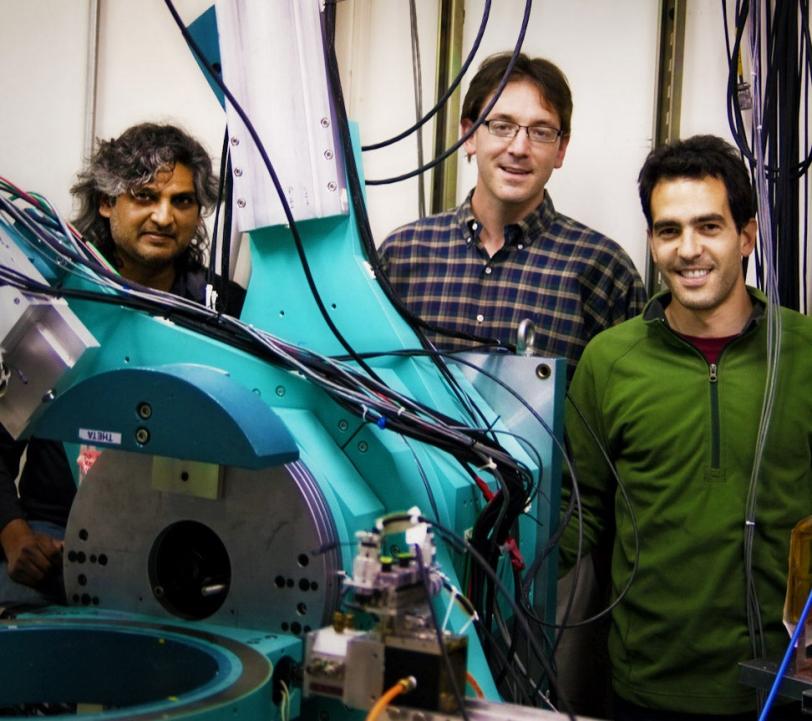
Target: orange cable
x: 402, y: 686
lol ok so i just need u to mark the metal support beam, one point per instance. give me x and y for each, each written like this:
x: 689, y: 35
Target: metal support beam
x: 446, y: 126
x: 669, y: 94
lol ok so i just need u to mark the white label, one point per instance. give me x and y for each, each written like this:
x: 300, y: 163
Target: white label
x: 91, y: 436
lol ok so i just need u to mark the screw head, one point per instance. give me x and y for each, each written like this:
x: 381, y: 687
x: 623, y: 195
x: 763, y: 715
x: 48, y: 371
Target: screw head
x: 238, y: 172
x: 235, y: 141
x: 328, y: 154
x: 240, y: 202
x: 325, y: 122
x: 280, y: 391
x: 332, y: 185
x: 343, y: 425
x: 363, y: 447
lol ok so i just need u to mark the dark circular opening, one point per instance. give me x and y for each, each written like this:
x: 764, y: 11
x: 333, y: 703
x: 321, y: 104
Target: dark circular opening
x: 111, y: 669
x: 189, y: 570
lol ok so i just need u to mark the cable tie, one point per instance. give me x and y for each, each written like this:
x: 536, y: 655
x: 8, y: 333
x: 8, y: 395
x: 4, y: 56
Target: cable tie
x: 364, y: 414
x: 401, y: 411
x: 490, y: 465
x: 748, y: 522
x: 511, y: 548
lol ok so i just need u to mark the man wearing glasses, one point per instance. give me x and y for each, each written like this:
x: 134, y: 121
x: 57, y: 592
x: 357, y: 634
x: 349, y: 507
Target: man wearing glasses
x: 505, y: 254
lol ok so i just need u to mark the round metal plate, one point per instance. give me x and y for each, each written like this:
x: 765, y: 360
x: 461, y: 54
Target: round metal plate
x: 115, y: 669
x: 273, y: 523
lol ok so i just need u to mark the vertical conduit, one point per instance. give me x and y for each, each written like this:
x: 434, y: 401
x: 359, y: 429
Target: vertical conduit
x: 669, y: 95
x: 91, y: 76
x: 446, y: 124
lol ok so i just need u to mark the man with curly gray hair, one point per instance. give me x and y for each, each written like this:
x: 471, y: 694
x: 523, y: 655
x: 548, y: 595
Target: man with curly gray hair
x: 142, y: 201
x: 143, y: 198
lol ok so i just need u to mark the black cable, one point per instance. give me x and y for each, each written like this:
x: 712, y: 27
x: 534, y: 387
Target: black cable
x: 458, y: 696
x: 463, y: 544
x: 447, y: 94
x: 210, y: 271
x: 190, y: 41
x: 356, y: 193
x: 632, y: 518
x: 574, y: 502
x: 225, y: 265
x: 483, y: 115
x: 418, y: 101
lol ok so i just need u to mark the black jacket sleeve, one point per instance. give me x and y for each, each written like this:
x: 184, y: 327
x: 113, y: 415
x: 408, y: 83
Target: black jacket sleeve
x: 10, y: 454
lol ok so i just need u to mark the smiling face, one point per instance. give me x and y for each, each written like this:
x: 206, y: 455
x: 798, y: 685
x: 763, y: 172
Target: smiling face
x: 512, y: 172
x: 698, y: 251
x: 154, y: 224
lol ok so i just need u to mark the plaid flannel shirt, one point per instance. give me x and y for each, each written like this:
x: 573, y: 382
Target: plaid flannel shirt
x: 571, y: 281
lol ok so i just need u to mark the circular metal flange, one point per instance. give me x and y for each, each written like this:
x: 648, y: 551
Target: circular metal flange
x: 126, y: 669
x: 261, y: 553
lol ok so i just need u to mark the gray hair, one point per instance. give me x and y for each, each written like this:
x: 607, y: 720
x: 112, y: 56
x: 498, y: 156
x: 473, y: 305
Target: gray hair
x: 124, y: 164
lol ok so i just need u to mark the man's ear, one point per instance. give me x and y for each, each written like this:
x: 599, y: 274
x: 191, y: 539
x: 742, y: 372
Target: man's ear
x: 562, y: 150
x: 105, y: 207
x: 470, y: 144
x: 747, y: 237
x: 652, y: 250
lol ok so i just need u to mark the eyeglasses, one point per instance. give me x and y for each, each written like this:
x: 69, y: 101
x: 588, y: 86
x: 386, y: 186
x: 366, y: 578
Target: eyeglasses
x: 536, y: 133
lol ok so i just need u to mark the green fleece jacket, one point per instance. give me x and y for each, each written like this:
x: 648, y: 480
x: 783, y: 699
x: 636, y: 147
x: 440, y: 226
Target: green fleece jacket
x: 682, y: 436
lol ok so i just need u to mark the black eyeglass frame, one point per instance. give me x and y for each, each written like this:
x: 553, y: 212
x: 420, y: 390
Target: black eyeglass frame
x: 527, y: 128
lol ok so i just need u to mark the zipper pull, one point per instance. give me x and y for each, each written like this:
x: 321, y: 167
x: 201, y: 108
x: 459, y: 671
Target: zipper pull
x: 713, y: 375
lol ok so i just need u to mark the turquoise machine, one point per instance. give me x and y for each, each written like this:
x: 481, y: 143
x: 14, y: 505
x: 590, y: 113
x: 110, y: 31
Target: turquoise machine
x: 246, y: 492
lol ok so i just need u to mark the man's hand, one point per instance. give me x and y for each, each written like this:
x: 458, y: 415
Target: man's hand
x: 30, y: 556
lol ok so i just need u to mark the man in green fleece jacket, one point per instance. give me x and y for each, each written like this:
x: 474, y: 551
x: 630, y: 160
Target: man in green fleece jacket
x: 675, y: 396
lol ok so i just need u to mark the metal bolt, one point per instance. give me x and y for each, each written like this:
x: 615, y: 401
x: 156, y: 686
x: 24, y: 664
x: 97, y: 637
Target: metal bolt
x: 363, y: 447
x: 280, y: 391
x: 328, y: 154
x: 543, y: 371
x: 343, y: 425
x: 238, y: 172
x: 325, y: 122
x: 332, y: 185
x: 142, y: 436
x: 144, y: 410
x: 240, y: 203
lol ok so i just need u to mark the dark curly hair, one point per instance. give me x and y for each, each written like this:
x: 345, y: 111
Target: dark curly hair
x: 698, y: 157
x: 130, y: 161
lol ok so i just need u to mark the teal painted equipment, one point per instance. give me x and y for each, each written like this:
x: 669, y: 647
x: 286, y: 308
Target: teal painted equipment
x: 230, y: 488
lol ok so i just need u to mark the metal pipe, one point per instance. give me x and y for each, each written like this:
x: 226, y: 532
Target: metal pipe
x: 91, y: 75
